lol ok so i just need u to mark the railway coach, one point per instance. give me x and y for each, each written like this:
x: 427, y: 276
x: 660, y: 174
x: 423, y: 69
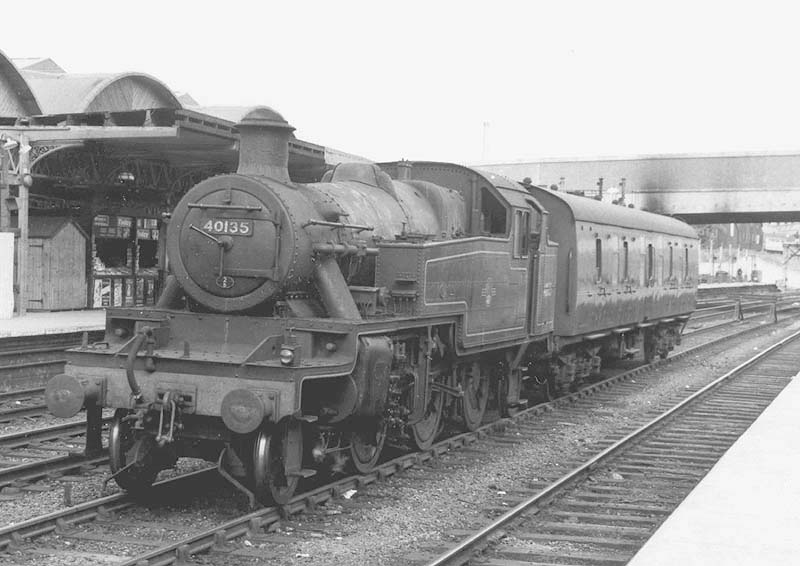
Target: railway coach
x: 305, y: 326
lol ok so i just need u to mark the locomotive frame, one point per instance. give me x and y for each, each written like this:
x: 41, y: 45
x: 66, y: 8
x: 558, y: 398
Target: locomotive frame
x: 365, y: 309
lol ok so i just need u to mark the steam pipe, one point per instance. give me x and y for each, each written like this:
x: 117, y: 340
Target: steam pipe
x: 333, y: 290
x: 136, y: 391
x: 343, y: 249
x: 170, y: 294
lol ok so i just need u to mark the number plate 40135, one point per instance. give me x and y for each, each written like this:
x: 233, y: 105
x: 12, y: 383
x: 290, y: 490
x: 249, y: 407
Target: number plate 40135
x: 228, y: 226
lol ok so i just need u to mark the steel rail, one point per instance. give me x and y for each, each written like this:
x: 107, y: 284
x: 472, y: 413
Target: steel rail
x: 21, y: 438
x: 88, y: 511
x: 17, y: 393
x: 37, y: 363
x: 32, y: 471
x: 19, y: 412
x: 543, y: 496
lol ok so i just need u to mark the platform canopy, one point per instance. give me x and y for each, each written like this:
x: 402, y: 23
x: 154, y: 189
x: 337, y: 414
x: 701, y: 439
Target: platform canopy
x: 16, y: 96
x: 62, y: 93
x: 126, y: 128
x: 125, y: 135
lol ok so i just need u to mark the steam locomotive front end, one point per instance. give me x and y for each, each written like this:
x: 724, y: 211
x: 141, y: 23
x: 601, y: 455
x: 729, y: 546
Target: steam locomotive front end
x: 256, y: 308
x: 232, y: 245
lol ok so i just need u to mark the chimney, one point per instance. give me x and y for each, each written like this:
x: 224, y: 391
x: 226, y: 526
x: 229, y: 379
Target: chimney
x: 264, y: 144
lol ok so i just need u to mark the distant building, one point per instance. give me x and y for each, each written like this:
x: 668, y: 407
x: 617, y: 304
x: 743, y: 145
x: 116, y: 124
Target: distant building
x: 41, y: 64
x: 779, y: 233
x: 736, y: 236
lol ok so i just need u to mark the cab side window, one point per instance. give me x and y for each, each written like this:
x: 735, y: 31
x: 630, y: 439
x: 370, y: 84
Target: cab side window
x: 493, y: 214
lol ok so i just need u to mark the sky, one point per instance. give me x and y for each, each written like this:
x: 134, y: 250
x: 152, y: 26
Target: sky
x: 470, y: 82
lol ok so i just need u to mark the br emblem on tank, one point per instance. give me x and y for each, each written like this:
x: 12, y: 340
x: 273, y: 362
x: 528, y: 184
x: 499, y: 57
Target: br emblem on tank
x: 488, y: 292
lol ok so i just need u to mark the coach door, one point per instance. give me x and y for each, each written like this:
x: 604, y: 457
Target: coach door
x: 541, y: 286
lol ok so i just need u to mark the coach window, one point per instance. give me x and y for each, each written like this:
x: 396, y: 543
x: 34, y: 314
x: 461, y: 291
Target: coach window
x: 493, y: 214
x: 598, y: 260
x: 685, y: 263
x: 671, y: 261
x: 522, y: 227
x: 624, y: 261
x: 651, y: 264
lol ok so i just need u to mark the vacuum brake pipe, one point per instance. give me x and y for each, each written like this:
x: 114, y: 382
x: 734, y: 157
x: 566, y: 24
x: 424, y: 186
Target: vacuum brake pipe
x: 146, y: 333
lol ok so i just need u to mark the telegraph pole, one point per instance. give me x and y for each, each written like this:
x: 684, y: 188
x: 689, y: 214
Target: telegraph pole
x: 7, y: 298
x: 24, y: 181
x: 18, y: 175
x: 5, y: 193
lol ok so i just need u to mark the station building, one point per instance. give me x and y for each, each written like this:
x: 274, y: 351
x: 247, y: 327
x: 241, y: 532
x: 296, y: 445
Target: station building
x: 103, y: 158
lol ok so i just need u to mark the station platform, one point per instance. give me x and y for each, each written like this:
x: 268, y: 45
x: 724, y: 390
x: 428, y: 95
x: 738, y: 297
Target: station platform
x: 745, y: 510
x: 713, y: 290
x: 61, y: 322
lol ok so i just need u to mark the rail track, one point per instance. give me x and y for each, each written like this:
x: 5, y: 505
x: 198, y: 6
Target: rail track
x: 20, y: 403
x: 29, y: 455
x: 605, y: 509
x: 217, y: 536
x: 41, y: 453
x: 27, y: 361
x: 715, y: 313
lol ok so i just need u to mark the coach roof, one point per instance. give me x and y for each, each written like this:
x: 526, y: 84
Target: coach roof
x: 590, y: 210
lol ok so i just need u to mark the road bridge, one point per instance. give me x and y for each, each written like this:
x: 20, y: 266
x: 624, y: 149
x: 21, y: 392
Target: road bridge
x: 701, y: 189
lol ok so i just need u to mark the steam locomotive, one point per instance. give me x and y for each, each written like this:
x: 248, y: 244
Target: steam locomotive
x: 304, y: 327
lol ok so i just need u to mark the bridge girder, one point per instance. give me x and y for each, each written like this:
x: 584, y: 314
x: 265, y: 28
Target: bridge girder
x: 701, y: 189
